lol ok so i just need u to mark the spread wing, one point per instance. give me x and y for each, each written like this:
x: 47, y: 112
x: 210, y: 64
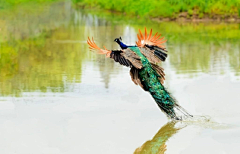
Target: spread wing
x: 151, y: 46
x: 153, y: 54
x: 124, y: 57
x: 130, y: 59
x: 94, y: 47
x: 149, y: 39
x: 116, y: 55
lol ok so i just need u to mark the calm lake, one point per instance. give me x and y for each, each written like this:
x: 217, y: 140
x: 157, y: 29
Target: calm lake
x: 57, y: 97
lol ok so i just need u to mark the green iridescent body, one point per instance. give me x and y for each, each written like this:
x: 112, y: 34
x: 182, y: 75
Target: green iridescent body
x: 151, y: 83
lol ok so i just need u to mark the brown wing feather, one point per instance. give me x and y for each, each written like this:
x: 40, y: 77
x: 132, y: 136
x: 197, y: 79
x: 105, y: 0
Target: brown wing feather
x: 116, y: 55
x: 160, y: 72
x: 132, y: 57
x: 149, y: 54
x: 135, y: 77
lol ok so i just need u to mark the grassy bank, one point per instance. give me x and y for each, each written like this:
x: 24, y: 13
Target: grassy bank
x: 11, y: 3
x: 170, y: 9
x: 16, y: 2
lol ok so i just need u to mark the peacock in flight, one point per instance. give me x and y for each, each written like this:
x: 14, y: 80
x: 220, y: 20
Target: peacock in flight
x: 143, y: 59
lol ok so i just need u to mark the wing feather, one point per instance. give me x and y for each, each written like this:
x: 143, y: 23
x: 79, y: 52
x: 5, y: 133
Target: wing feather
x: 126, y: 57
x: 149, y: 54
x: 116, y: 55
x: 160, y: 72
x: 132, y: 57
x: 94, y: 47
x: 135, y: 77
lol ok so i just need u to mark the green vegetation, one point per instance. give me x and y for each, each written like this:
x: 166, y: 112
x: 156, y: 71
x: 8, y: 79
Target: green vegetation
x: 38, y: 64
x: 11, y: 3
x: 169, y: 8
x: 43, y: 47
x: 177, y: 33
x: 32, y: 55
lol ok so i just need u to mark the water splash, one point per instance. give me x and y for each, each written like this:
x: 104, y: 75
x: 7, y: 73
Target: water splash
x: 203, y: 122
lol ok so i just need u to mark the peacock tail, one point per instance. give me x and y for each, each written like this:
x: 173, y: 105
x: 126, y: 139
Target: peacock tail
x: 150, y: 81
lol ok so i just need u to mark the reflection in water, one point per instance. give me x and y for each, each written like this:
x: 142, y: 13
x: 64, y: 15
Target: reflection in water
x: 158, y: 144
x: 31, y: 20
x: 234, y: 59
x: 41, y: 64
x: 33, y: 58
x: 45, y: 55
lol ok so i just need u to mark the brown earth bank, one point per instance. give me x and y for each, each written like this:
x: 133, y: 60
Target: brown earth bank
x: 185, y: 16
x: 180, y: 17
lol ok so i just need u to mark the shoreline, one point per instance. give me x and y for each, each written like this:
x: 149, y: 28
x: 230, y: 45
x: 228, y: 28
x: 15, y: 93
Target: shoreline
x: 184, y: 17
x: 180, y: 17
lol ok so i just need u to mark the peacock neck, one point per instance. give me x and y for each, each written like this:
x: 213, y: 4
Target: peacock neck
x: 122, y: 45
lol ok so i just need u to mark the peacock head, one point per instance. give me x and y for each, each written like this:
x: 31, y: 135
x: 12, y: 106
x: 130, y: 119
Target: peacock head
x: 118, y: 39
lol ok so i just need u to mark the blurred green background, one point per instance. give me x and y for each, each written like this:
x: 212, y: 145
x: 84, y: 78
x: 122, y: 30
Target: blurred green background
x: 33, y: 57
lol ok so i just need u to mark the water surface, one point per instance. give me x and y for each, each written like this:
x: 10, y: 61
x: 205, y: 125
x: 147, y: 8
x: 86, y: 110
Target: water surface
x: 58, y: 97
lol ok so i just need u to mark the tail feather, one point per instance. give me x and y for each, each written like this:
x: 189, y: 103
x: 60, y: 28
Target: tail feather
x: 182, y: 110
x: 171, y: 108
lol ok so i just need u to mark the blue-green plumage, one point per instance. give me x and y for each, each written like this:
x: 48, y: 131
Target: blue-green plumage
x: 150, y: 80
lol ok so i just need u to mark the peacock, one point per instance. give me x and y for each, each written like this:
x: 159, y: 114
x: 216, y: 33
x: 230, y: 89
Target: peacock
x: 158, y: 143
x: 143, y: 59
